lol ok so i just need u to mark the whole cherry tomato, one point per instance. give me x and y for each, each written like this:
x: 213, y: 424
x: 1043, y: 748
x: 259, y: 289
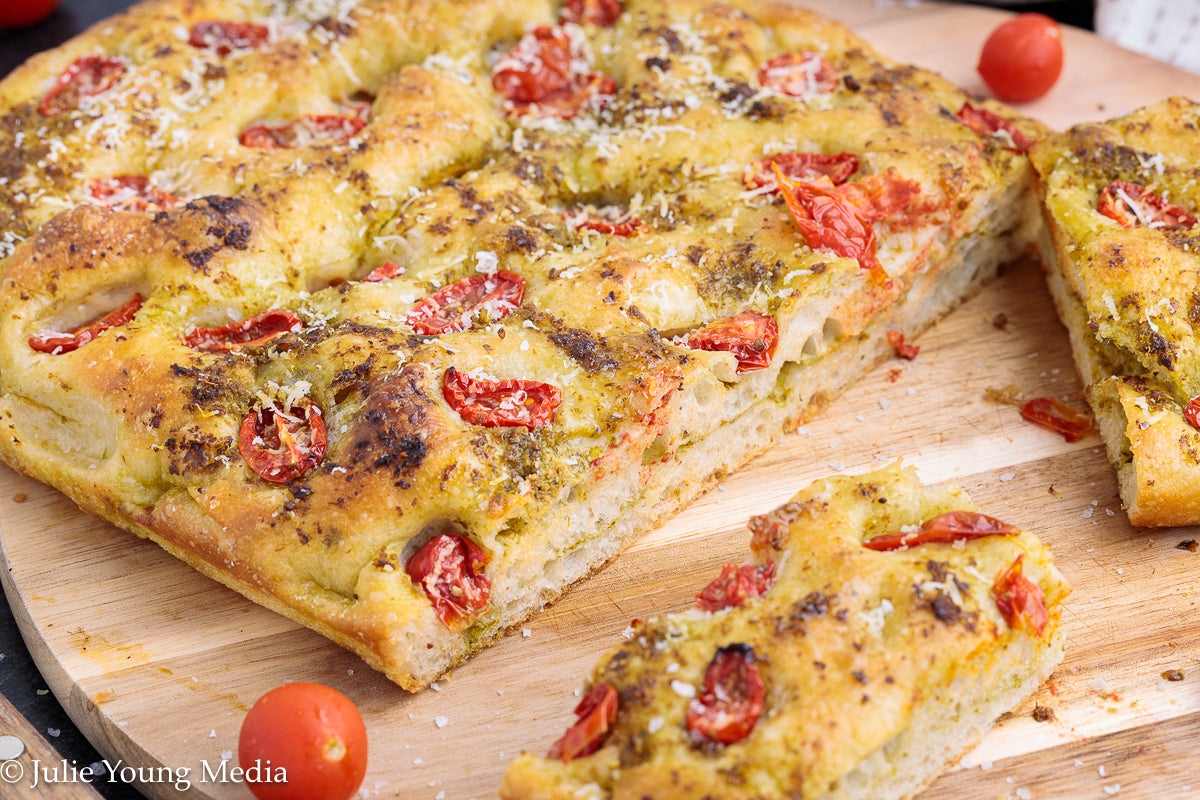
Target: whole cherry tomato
x: 303, y: 741
x: 23, y: 13
x: 1022, y: 58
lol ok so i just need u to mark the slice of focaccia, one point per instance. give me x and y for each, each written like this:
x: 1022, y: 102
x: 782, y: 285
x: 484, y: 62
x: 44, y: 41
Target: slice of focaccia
x: 400, y: 317
x: 1123, y: 250
x: 877, y: 631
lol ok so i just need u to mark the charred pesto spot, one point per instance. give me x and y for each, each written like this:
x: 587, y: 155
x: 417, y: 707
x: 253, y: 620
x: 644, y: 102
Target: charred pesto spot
x: 392, y: 429
x: 944, y: 608
x: 737, y: 273
x: 196, y: 451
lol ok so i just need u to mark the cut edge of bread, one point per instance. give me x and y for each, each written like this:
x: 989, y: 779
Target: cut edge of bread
x: 953, y: 720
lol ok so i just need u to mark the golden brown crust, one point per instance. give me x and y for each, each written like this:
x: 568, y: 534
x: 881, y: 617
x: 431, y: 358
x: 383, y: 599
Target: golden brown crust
x: 141, y: 428
x: 879, y: 667
x: 1129, y: 297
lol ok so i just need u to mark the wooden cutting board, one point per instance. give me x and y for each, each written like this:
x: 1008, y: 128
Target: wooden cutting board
x: 158, y: 664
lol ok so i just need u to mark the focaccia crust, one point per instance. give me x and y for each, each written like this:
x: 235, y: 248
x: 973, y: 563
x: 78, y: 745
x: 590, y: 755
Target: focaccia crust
x: 442, y: 184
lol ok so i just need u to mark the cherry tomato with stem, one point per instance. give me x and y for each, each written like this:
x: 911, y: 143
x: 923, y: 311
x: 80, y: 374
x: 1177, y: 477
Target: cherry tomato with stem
x: 303, y: 741
x: 1022, y: 59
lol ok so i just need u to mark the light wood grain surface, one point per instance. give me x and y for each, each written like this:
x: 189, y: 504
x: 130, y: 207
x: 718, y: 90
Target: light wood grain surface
x: 158, y: 664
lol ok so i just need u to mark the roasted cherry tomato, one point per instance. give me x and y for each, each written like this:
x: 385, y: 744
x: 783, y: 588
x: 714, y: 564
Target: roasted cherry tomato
x: 58, y: 343
x: 311, y: 129
x: 457, y: 306
x: 500, y: 404
x: 544, y: 75
x: 1133, y: 205
x: 261, y: 329
x: 223, y: 37
x: 596, y: 713
x: 1022, y: 602
x: 87, y: 76
x: 130, y: 193
x: 903, y: 349
x: 953, y: 526
x: 798, y: 74
x: 1192, y: 412
x: 731, y: 700
x: 303, y: 741
x: 750, y: 336
x: 602, y: 13
x: 281, y: 446
x: 449, y: 568
x: 23, y: 13
x: 624, y: 225
x: 827, y: 221
x: 384, y: 272
x: 1053, y: 414
x: 989, y: 123
x: 735, y: 585
x: 1022, y: 59
x: 801, y: 168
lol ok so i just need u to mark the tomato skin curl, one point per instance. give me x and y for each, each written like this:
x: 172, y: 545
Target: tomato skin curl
x: 750, y: 336
x: 953, y: 526
x: 261, y: 329
x: 58, y: 343
x: 596, y: 713
x: 829, y: 222
x: 1053, y: 414
x: 1022, y: 602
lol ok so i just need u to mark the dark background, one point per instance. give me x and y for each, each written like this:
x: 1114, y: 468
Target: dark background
x: 20, y: 681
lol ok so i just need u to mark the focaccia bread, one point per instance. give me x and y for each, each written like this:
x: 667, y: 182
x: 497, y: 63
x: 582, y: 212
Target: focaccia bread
x: 400, y: 317
x: 1123, y: 254
x: 876, y: 632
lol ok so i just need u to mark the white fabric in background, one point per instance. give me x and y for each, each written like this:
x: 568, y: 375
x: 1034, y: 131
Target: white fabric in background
x: 1168, y: 30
